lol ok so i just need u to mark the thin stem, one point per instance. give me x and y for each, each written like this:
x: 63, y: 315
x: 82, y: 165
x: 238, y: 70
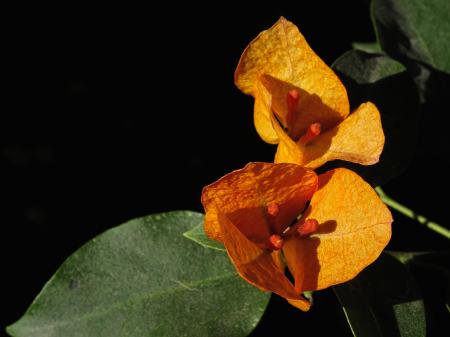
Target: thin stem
x: 413, y: 215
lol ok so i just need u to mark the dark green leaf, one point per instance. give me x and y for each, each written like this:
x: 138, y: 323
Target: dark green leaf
x: 197, y: 234
x: 434, y: 90
x: 431, y: 270
x: 368, y: 47
x: 383, y: 300
x: 417, y: 33
x: 414, y: 29
x: 385, y: 82
x: 145, y: 278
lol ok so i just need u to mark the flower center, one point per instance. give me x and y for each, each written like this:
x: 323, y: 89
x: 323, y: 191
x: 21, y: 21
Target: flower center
x: 313, y: 130
x: 302, y: 228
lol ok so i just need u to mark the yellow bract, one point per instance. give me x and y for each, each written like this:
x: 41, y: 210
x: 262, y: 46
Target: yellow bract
x: 354, y: 225
x: 280, y: 61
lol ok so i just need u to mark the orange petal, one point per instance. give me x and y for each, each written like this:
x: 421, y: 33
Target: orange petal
x: 279, y: 260
x: 359, y: 139
x: 263, y: 116
x: 354, y: 227
x: 282, y: 59
x: 243, y: 196
x: 211, y: 225
x: 258, y: 266
x: 287, y: 151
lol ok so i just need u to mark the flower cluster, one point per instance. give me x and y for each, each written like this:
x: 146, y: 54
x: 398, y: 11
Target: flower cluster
x: 325, y: 228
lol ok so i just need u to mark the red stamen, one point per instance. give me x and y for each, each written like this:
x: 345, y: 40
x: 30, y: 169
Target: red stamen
x: 308, y: 227
x: 276, y: 242
x: 273, y: 209
x: 292, y: 98
x: 312, y: 132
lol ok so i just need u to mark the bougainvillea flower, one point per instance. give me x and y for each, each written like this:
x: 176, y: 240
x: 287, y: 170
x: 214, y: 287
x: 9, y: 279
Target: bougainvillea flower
x: 325, y: 228
x: 301, y: 105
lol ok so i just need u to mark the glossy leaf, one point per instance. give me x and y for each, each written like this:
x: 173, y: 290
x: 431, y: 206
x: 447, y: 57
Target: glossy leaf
x: 414, y: 30
x: 378, y: 78
x: 384, y: 300
x: 144, y: 278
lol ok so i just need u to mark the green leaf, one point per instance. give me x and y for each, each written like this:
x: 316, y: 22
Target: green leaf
x: 368, y: 47
x: 385, y: 82
x: 144, y: 278
x: 431, y: 270
x: 414, y: 29
x: 197, y: 234
x: 383, y: 300
x: 417, y: 33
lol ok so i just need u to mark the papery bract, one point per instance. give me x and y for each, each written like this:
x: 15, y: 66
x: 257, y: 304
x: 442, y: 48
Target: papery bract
x: 345, y: 227
x: 294, y: 90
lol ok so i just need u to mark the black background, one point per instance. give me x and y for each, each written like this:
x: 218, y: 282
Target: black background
x: 118, y: 112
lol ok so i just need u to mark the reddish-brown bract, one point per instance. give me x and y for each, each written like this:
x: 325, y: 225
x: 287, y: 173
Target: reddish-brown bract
x: 346, y: 226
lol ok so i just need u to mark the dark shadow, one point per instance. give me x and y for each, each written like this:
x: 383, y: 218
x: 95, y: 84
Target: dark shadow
x: 327, y: 227
x: 311, y: 263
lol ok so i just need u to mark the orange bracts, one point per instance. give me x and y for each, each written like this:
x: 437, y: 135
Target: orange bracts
x: 325, y: 228
x: 301, y: 105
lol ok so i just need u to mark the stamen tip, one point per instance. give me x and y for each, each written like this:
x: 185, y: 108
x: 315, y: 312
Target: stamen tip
x: 292, y: 98
x: 315, y: 128
x: 273, y: 209
x: 308, y: 227
x: 276, y: 242
x: 293, y: 94
x: 312, y: 132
